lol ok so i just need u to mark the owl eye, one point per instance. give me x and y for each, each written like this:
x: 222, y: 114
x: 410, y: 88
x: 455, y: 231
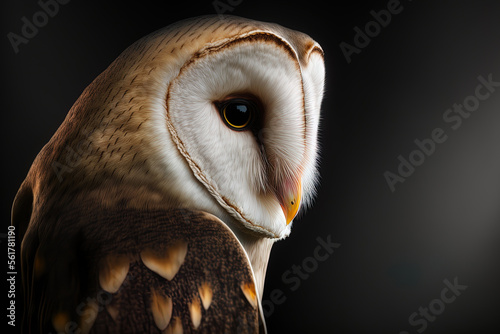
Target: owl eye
x: 238, y: 114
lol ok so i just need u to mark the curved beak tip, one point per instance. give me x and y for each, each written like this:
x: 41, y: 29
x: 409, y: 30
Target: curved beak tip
x: 290, y: 205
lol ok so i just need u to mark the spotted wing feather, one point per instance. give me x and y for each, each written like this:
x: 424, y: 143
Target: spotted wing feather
x: 131, y: 271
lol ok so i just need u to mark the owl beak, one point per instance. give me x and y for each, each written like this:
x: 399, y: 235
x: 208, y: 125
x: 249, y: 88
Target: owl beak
x: 290, y: 201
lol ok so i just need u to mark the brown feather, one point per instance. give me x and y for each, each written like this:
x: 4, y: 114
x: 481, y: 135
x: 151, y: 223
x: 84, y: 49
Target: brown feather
x: 93, y: 192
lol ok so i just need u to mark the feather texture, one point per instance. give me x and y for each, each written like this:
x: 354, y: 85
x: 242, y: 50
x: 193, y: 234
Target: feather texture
x: 145, y: 212
x: 205, y: 294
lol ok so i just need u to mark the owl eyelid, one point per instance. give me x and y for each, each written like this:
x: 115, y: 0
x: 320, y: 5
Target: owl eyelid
x: 241, y: 96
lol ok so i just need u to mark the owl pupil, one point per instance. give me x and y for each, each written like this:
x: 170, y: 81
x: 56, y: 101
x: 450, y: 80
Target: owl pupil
x: 237, y: 113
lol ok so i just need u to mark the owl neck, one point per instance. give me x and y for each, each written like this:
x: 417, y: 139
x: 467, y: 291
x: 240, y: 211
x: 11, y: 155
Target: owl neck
x: 258, y: 250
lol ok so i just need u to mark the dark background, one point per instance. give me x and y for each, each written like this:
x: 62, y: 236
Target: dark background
x: 397, y: 247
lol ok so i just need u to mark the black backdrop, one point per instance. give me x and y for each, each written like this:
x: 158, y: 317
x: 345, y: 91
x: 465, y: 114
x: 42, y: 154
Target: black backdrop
x: 396, y: 252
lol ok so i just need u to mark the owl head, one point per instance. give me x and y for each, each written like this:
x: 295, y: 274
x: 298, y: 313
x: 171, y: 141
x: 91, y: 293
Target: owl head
x: 210, y: 114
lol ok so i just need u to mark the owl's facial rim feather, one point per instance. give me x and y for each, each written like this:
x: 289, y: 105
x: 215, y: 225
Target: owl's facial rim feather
x: 259, y: 36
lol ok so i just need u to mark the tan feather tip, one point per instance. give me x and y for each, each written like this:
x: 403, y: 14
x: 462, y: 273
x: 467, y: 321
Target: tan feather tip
x: 113, y: 312
x: 195, y: 311
x: 165, y: 263
x: 250, y: 293
x: 59, y: 321
x: 113, y: 270
x: 175, y: 327
x: 88, y: 316
x: 206, y: 294
x: 161, y: 307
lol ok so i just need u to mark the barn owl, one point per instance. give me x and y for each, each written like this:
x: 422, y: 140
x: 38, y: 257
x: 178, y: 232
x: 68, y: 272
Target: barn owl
x: 154, y: 206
